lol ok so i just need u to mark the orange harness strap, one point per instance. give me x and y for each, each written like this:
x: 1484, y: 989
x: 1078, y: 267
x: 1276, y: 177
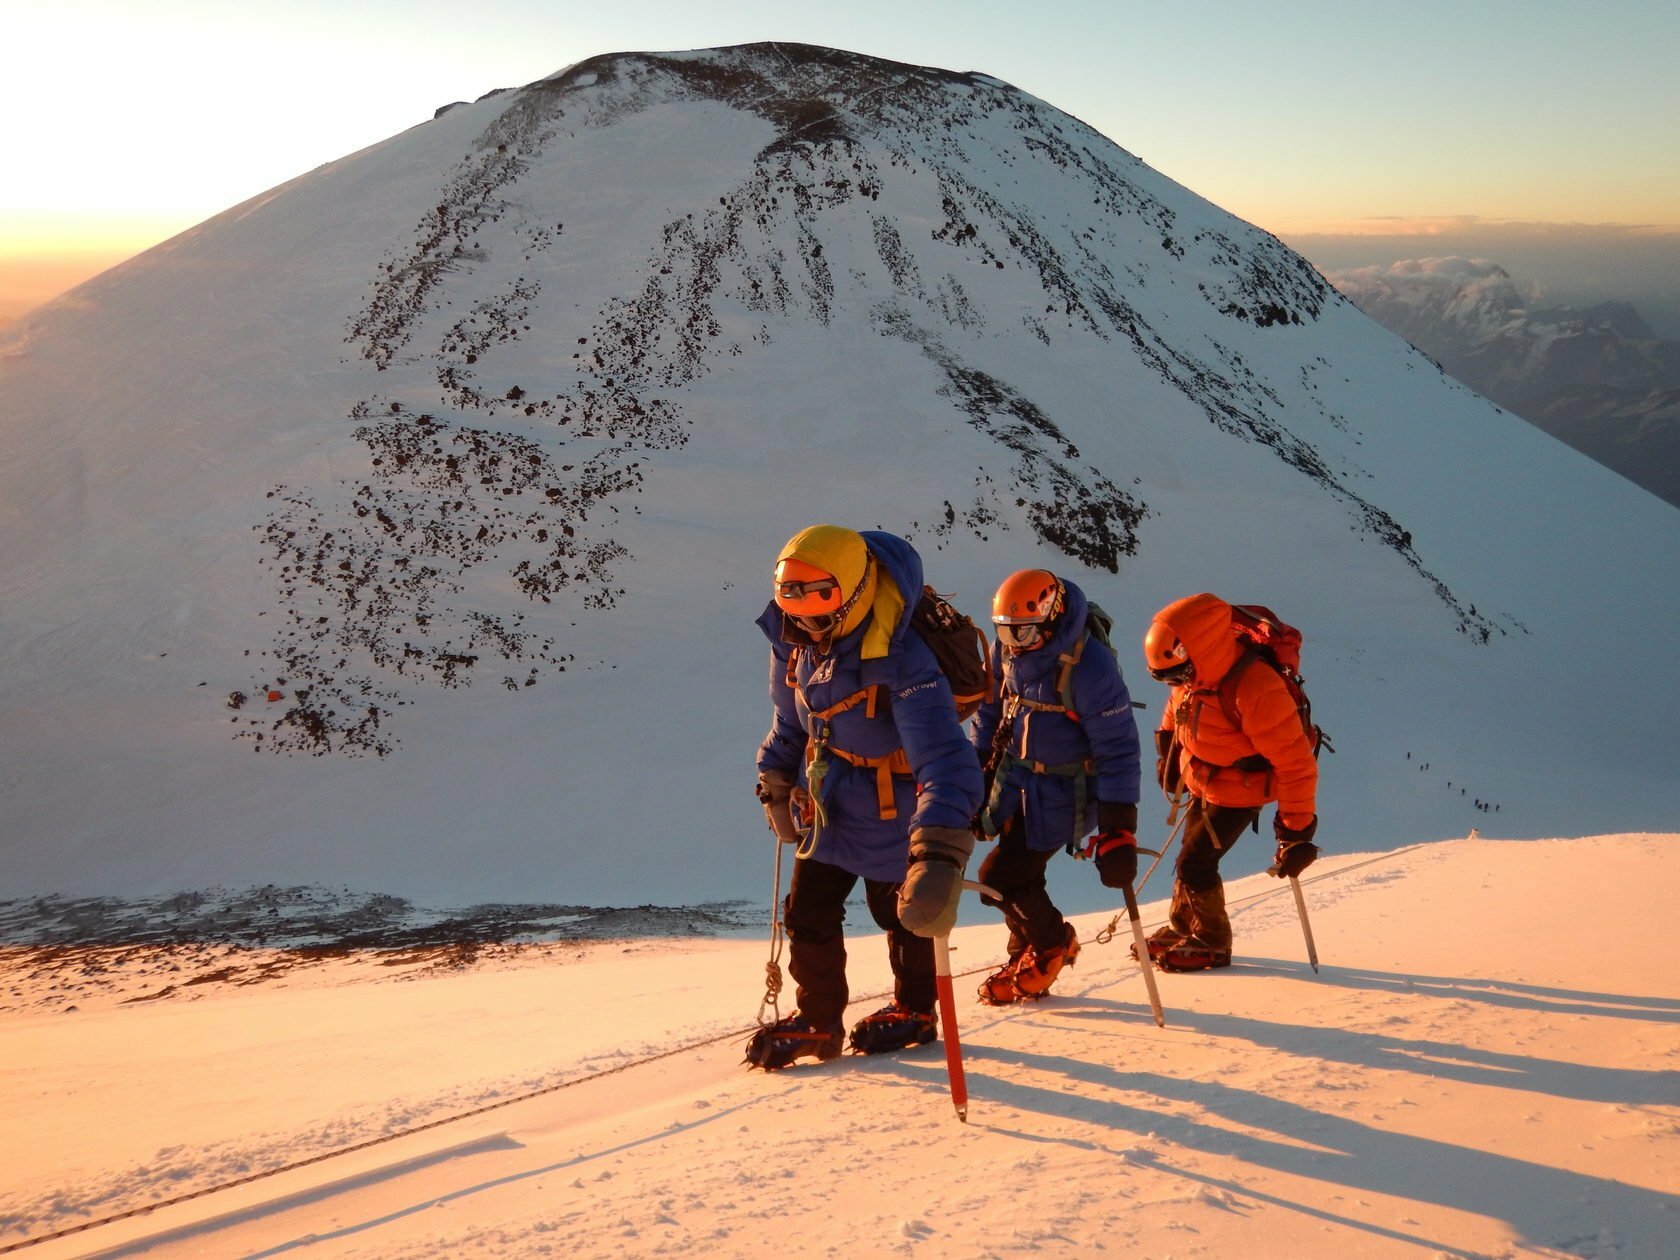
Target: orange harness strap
x: 893, y: 763
x: 866, y: 697
x: 885, y: 767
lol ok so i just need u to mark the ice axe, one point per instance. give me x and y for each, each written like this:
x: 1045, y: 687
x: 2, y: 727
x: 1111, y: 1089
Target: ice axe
x: 1140, y: 947
x: 1301, y: 909
x: 948, y: 1011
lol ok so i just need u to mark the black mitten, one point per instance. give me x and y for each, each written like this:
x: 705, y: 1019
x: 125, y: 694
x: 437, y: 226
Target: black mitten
x: 1295, y: 849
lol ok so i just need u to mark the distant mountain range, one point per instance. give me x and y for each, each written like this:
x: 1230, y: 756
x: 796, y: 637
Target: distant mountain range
x: 1594, y: 377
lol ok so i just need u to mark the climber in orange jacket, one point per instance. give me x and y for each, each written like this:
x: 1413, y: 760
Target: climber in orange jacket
x: 1230, y: 769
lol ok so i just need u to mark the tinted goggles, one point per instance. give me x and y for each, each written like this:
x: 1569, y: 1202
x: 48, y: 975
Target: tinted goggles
x: 820, y: 589
x: 1174, y: 677
x: 1023, y: 634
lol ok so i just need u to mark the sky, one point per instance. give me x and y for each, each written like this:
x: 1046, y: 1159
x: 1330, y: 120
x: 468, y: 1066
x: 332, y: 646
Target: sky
x: 1534, y: 129
x: 1448, y: 1084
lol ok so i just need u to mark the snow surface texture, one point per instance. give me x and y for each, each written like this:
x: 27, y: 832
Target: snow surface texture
x: 1485, y: 1066
x: 473, y: 450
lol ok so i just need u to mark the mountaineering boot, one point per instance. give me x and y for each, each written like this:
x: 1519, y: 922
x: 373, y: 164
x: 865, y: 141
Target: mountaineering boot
x: 1038, y: 972
x: 1198, y: 932
x: 998, y: 989
x: 1179, y: 927
x: 793, y: 1037
x: 1159, y: 942
x: 1191, y: 954
x: 893, y: 1027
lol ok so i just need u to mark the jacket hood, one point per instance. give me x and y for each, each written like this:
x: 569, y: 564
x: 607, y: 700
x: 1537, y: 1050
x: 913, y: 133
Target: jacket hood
x: 1203, y: 624
x: 898, y: 587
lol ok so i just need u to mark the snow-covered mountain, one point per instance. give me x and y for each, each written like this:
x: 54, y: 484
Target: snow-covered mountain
x: 1595, y: 377
x: 403, y: 528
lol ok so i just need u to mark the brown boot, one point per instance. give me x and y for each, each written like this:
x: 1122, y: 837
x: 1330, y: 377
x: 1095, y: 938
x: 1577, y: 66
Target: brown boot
x: 1191, y: 954
x: 1210, y: 925
x: 1208, y: 944
x: 1179, y: 925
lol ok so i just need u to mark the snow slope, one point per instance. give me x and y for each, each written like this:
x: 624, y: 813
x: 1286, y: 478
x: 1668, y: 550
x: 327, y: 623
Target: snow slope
x: 1485, y: 1066
x: 475, y: 448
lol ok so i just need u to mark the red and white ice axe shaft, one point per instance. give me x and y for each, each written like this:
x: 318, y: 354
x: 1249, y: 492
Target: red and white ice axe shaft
x: 948, y: 1026
x: 948, y: 1012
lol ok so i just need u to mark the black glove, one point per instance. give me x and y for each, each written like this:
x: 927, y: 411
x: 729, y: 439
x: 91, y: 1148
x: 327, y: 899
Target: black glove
x: 1295, y: 849
x: 1112, y: 817
x: 1166, y: 762
x: 1116, y: 856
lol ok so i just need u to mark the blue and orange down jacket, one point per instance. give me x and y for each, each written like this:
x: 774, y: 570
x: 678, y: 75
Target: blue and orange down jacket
x: 1101, y: 735
x: 937, y: 783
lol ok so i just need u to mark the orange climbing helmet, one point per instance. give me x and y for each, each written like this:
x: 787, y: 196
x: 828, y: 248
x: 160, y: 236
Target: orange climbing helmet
x: 1165, y: 655
x: 1026, y: 607
x: 804, y: 590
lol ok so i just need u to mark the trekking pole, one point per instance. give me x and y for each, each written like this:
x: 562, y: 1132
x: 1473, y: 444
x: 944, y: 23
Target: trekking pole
x: 948, y: 1012
x: 1145, y: 964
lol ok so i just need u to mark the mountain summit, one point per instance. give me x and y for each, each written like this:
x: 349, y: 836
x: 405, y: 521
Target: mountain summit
x: 405, y: 525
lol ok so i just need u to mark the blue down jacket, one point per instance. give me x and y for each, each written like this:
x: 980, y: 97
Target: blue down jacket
x: 1104, y: 734
x: 943, y: 786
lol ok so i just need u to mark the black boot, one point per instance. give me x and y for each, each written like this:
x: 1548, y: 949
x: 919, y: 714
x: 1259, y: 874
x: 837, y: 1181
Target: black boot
x: 792, y: 1037
x: 893, y: 1027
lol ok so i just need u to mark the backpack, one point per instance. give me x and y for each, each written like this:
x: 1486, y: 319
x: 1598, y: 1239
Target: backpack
x: 960, y: 648
x: 1264, y: 636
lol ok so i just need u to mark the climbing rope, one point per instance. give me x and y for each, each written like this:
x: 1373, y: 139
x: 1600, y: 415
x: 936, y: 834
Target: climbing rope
x: 773, y: 968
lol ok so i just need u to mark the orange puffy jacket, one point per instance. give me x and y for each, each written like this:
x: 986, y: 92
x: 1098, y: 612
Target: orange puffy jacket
x: 1215, y: 757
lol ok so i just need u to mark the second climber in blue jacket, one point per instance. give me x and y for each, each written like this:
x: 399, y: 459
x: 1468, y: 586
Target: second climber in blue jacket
x: 1060, y: 747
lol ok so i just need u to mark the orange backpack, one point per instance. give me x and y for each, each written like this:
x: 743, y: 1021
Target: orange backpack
x: 1264, y: 636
